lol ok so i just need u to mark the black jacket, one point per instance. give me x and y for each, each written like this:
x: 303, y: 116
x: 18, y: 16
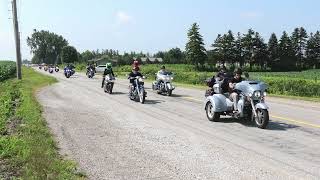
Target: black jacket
x: 108, y: 71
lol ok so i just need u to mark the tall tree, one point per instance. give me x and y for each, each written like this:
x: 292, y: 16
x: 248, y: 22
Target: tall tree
x: 224, y: 47
x: 195, y: 51
x: 287, y: 53
x: 260, y: 55
x: 46, y: 46
x: 248, y: 47
x: 273, y: 50
x: 313, y: 50
x: 69, y: 54
x: 238, y: 50
x: 299, y: 42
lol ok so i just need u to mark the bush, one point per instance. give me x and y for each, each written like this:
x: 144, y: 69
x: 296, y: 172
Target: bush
x: 7, y: 69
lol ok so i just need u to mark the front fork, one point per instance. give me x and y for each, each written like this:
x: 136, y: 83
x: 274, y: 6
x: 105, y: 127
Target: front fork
x: 253, y: 108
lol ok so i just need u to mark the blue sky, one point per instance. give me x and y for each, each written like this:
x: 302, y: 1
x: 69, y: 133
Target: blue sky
x: 150, y: 25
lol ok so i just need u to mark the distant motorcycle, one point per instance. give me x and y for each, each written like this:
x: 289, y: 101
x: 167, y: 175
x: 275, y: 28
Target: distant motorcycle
x: 251, y: 104
x: 90, y: 73
x: 137, y: 90
x: 163, y: 83
x: 68, y: 72
x: 40, y: 67
x: 108, y: 83
x: 51, y: 70
x: 56, y: 69
x: 45, y: 68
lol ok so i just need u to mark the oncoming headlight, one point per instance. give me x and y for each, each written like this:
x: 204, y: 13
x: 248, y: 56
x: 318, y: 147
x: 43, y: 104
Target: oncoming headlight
x: 140, y: 80
x: 264, y: 94
x: 257, y: 94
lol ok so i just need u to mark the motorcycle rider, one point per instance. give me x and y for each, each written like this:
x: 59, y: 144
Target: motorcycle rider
x: 108, y: 70
x: 91, y: 66
x: 234, y: 95
x: 134, y: 73
x: 162, y: 70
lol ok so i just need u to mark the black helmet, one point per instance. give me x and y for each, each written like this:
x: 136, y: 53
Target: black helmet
x: 237, y: 71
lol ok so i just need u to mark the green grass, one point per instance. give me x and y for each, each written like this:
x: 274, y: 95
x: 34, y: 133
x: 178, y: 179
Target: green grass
x: 26, y: 144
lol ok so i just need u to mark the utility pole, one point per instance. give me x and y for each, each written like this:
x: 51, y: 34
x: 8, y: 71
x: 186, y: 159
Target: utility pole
x: 16, y: 37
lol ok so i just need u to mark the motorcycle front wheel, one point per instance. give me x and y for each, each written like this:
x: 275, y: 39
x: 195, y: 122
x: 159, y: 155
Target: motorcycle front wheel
x: 142, y: 96
x: 169, y: 92
x: 263, y: 118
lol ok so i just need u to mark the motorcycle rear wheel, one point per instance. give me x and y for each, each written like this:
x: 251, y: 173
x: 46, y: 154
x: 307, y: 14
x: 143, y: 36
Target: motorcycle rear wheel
x: 212, y: 116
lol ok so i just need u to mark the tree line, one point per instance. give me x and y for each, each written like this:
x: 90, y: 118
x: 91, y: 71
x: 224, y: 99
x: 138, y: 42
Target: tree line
x: 296, y: 51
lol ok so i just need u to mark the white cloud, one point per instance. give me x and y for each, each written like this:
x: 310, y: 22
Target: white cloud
x: 124, y: 18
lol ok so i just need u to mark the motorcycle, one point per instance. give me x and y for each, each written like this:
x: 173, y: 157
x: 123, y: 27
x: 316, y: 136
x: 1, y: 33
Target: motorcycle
x: 90, y: 73
x: 137, y: 90
x: 40, y: 67
x: 163, y: 83
x: 50, y: 70
x: 68, y: 72
x: 108, y: 84
x: 56, y: 69
x: 45, y: 68
x: 251, y: 104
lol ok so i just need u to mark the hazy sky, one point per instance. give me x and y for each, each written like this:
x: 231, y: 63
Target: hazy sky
x: 150, y: 25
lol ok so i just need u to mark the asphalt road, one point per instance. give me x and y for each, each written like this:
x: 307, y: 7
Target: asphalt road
x: 112, y: 137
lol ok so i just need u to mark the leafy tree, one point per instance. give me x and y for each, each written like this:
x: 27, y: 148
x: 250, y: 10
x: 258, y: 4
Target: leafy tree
x: 313, y: 50
x: 299, y: 42
x: 86, y: 55
x: 174, y: 55
x: 273, y: 50
x: 160, y: 54
x: 195, y: 51
x: 46, y: 46
x: 69, y: 54
x: 35, y: 60
x: 287, y: 54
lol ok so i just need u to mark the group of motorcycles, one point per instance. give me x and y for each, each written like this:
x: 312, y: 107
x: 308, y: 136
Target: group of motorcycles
x: 251, y: 104
x: 49, y: 68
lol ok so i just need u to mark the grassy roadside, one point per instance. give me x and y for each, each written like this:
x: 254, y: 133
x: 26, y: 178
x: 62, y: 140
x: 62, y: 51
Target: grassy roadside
x: 27, y: 148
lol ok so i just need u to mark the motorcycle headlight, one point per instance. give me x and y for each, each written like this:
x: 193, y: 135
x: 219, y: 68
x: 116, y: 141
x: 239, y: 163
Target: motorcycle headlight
x: 140, y: 80
x: 257, y: 94
x: 264, y: 94
x: 171, y: 78
x: 250, y: 94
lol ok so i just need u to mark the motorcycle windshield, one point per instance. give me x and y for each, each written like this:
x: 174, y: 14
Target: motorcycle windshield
x: 251, y: 86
